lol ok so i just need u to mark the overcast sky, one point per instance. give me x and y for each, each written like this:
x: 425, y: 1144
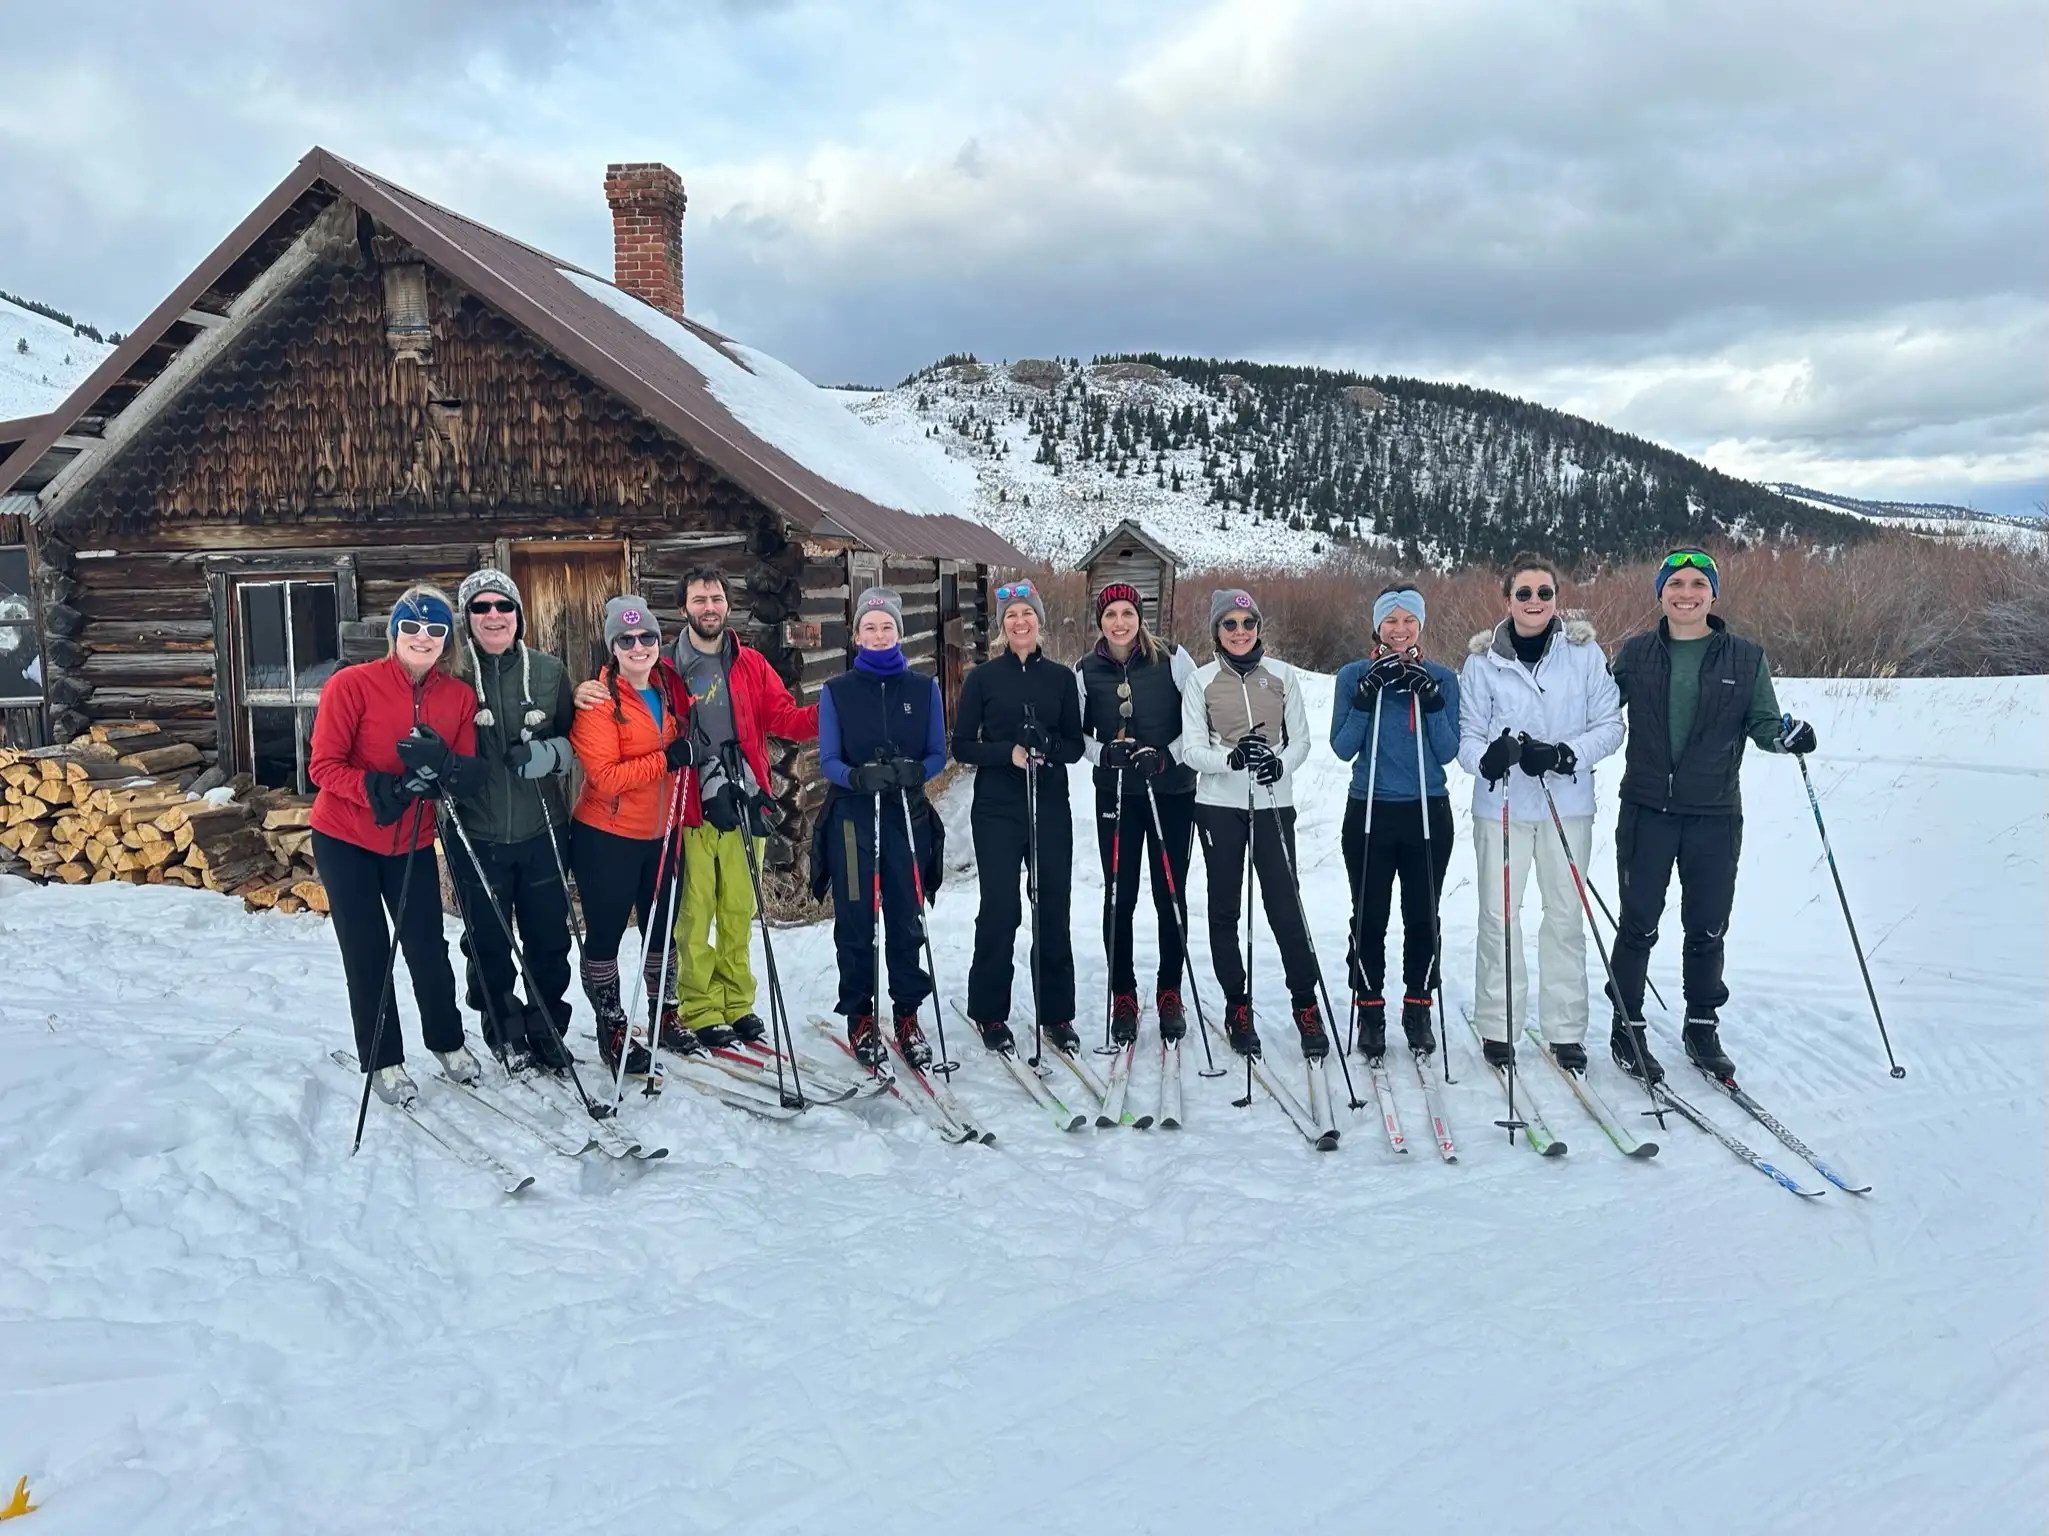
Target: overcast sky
x: 1804, y: 239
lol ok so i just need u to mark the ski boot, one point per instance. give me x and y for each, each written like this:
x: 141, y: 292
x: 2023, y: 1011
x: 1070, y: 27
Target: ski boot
x: 1570, y: 1055
x: 1630, y: 1043
x: 395, y: 1086
x: 750, y: 1028
x: 1498, y: 1053
x: 1062, y: 1033
x: 1315, y: 1038
x: 996, y: 1035
x: 678, y: 1038
x: 716, y: 1037
x: 459, y: 1065
x: 866, y: 1039
x: 1238, y: 1030
x: 545, y: 1046
x: 910, y: 1039
x: 1369, y: 1027
x: 1123, y: 1018
x: 1416, y: 1025
x: 1704, y: 1046
x: 612, y: 1040
x: 1173, y: 1017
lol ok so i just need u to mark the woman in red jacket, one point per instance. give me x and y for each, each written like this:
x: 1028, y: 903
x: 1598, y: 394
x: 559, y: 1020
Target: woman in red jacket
x: 388, y: 738
x: 633, y: 751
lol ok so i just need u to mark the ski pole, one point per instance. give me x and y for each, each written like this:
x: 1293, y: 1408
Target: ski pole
x: 1181, y: 927
x: 1594, y: 891
x: 561, y: 873
x: 1650, y: 1091
x: 946, y: 1064
x: 1251, y: 865
x: 779, y: 1012
x: 1358, y: 956
x: 398, y: 918
x: 534, y: 993
x: 1512, y: 1124
x: 875, y: 912
x: 1430, y: 868
x: 1110, y: 895
x: 1032, y: 885
x: 1848, y: 921
x: 671, y: 841
x: 1322, y: 986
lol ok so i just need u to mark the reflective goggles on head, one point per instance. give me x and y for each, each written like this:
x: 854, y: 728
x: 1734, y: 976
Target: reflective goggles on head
x: 1014, y: 590
x: 425, y: 627
x: 1699, y: 559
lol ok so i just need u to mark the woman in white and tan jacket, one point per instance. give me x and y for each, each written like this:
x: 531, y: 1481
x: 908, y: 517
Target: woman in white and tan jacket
x: 1536, y: 702
x: 1244, y: 731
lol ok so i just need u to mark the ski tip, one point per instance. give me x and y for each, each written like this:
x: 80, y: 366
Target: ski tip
x: 1327, y: 1143
x: 1556, y: 1149
x: 1643, y: 1151
x: 520, y: 1186
x: 1169, y: 1123
x: 1142, y: 1123
x: 1077, y: 1122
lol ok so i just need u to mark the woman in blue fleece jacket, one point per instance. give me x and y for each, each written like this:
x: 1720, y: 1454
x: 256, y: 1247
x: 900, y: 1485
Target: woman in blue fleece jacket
x: 1385, y: 830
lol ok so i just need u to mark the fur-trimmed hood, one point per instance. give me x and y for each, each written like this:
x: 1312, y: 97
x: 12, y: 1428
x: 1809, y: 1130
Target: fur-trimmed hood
x: 1577, y: 632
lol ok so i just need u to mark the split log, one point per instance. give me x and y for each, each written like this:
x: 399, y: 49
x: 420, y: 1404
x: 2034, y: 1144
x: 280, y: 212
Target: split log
x: 180, y: 754
x: 313, y: 893
x: 288, y: 816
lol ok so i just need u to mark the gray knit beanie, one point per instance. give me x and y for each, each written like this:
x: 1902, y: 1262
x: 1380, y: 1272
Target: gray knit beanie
x: 1231, y: 600
x: 880, y: 600
x: 492, y: 580
x: 1020, y: 591
x: 630, y: 614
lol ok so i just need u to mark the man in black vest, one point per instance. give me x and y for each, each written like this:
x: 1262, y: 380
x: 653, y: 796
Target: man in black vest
x: 1692, y: 692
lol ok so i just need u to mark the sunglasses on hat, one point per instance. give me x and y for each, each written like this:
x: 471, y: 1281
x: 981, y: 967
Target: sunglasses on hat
x: 1699, y: 559
x: 1015, y: 589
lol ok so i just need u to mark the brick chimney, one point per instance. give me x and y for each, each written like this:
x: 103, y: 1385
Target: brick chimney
x: 647, y: 233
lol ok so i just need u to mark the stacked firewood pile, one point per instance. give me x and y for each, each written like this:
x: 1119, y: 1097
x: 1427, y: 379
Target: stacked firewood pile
x: 113, y: 806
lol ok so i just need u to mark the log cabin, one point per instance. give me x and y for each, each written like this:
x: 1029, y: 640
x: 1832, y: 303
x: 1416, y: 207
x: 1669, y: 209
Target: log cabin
x: 360, y: 389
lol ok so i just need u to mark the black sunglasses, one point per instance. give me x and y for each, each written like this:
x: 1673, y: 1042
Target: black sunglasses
x: 485, y: 605
x: 1541, y: 594
x: 634, y: 642
x: 1236, y: 624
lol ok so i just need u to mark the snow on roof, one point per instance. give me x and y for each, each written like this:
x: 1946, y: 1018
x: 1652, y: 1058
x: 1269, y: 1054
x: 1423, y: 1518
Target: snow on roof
x: 788, y: 411
x: 56, y: 360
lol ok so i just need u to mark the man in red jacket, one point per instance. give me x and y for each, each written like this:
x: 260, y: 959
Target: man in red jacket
x: 736, y: 703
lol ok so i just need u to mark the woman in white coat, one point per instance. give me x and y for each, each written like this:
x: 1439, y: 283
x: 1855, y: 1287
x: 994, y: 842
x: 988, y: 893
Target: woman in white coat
x: 1536, y: 702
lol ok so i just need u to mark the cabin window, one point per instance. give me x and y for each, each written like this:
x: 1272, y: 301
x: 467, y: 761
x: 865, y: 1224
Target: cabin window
x: 21, y: 667
x: 287, y: 644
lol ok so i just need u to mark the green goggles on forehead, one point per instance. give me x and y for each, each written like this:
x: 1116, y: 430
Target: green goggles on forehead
x: 1700, y: 560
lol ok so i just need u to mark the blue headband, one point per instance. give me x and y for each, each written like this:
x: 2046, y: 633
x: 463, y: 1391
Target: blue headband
x: 1401, y: 597
x: 424, y: 607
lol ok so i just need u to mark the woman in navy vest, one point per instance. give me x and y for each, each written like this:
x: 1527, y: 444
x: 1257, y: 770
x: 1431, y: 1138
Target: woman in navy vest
x: 1131, y: 719
x: 881, y: 735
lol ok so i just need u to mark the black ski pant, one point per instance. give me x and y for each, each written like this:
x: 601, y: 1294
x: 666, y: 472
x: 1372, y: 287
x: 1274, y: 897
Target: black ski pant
x: 362, y: 887
x: 1396, y: 848
x: 527, y: 884
x: 850, y: 859
x: 615, y: 880
x: 1001, y: 839
x: 1224, y: 831
x: 1705, y: 848
x: 1133, y: 845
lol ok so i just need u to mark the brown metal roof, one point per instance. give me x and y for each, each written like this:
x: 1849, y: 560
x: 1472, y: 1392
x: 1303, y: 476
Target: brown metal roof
x: 530, y: 288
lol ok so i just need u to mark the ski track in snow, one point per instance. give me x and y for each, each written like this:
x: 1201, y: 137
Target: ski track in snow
x: 213, y: 1319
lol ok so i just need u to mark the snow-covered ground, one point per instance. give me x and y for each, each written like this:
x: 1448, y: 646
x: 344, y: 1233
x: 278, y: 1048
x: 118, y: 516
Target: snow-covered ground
x: 213, y: 1319
x: 1948, y: 523
x: 54, y: 363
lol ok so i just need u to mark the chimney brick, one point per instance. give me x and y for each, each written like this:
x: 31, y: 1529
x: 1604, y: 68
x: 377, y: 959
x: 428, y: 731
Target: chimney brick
x: 647, y: 204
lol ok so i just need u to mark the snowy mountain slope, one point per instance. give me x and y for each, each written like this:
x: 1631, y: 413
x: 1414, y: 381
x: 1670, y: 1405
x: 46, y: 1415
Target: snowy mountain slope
x: 1243, y: 463
x: 41, y: 361
x: 1929, y: 519
x: 214, y: 1319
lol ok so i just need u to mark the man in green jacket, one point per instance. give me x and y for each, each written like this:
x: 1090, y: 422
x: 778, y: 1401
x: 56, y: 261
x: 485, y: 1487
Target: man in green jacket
x: 1694, y: 692
x: 524, y: 709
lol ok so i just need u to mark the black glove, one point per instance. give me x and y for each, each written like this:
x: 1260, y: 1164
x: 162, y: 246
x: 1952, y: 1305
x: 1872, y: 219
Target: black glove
x: 388, y: 797
x: 465, y: 777
x: 1268, y: 770
x: 680, y: 753
x: 1796, y: 736
x: 1150, y: 762
x: 872, y: 778
x: 1032, y: 737
x: 1118, y: 754
x: 1500, y: 756
x: 424, y: 752
x: 907, y: 772
x: 1250, y: 749
x: 1542, y: 757
x: 1429, y: 694
x: 518, y: 755
x: 1387, y: 672
x: 419, y: 787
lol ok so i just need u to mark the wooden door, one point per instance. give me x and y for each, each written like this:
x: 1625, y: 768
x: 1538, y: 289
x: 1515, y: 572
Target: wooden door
x: 564, y: 586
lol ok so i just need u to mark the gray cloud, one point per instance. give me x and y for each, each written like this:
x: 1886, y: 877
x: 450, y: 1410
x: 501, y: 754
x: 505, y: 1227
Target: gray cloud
x: 1776, y: 235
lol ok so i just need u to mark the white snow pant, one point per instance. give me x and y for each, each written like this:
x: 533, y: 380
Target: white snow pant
x: 1561, y: 940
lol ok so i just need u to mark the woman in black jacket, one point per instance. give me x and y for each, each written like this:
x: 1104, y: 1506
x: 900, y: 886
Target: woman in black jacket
x: 1020, y: 718
x: 1131, y: 713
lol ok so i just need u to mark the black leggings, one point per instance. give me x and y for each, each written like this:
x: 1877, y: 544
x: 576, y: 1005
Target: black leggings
x: 1177, y: 822
x: 615, y: 881
x: 362, y: 886
x: 1225, y: 831
x: 1001, y: 842
x: 1398, y: 847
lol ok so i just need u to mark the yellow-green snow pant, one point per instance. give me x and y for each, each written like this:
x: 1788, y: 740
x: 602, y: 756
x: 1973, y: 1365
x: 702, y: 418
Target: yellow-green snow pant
x: 714, y: 977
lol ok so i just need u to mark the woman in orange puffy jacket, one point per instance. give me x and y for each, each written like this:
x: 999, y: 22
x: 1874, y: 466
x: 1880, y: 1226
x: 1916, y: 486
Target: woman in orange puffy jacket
x: 633, y: 754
